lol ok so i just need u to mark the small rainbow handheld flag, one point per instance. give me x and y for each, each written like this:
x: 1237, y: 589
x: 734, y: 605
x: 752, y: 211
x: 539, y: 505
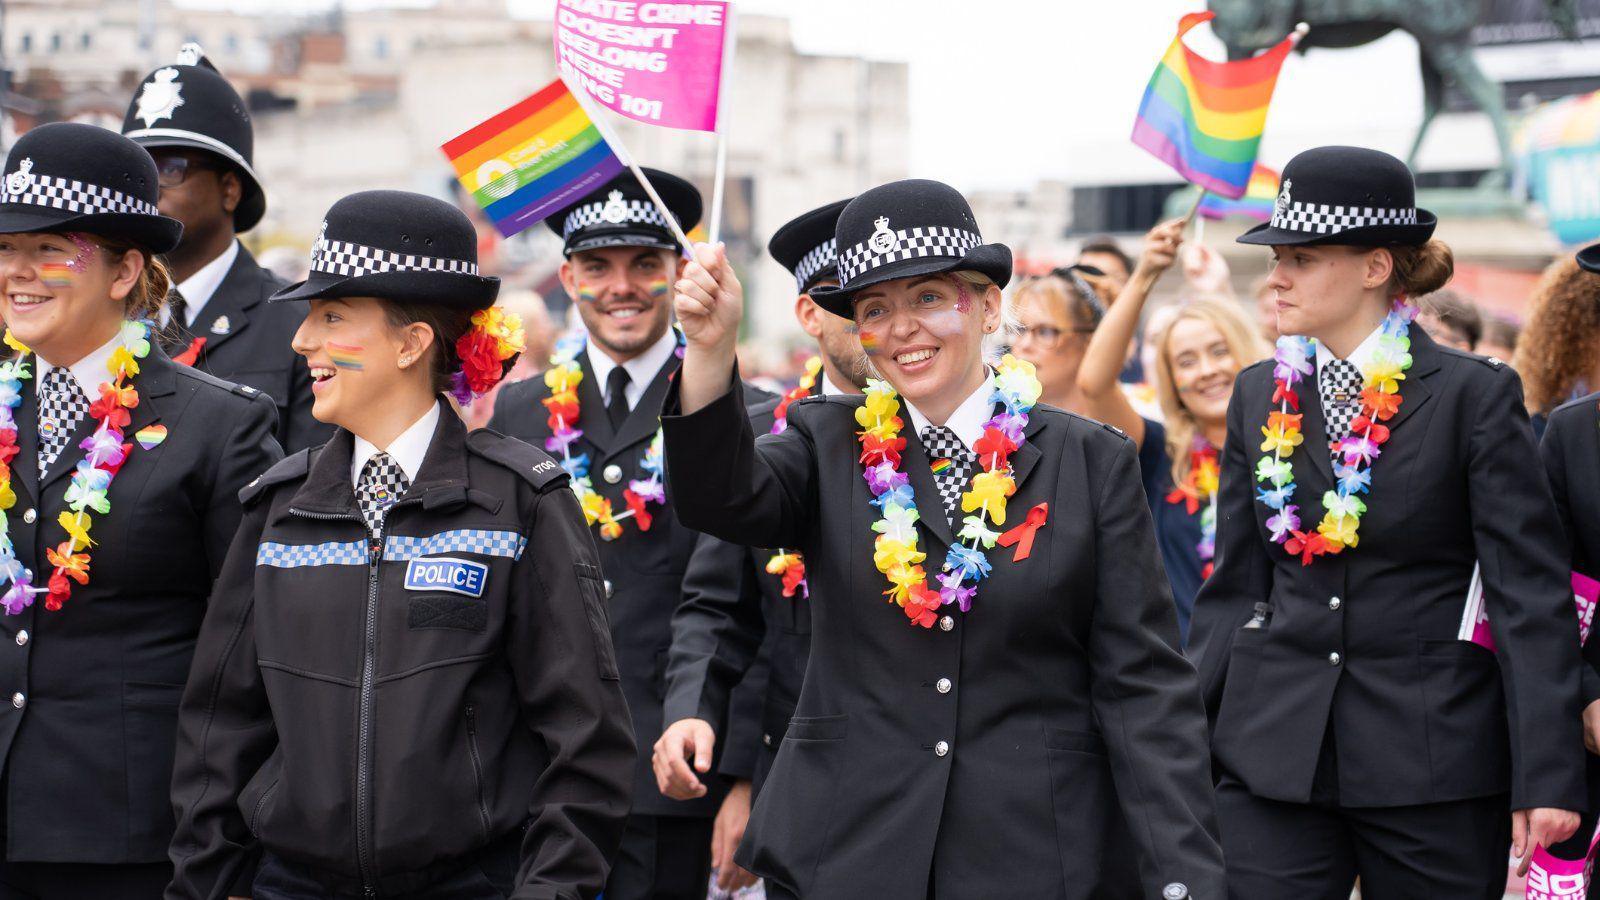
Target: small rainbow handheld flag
x: 537, y: 157
x: 1205, y: 118
x: 1256, y: 202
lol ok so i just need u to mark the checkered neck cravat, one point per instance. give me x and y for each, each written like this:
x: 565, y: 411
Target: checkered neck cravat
x: 381, y: 484
x: 943, y: 446
x: 1339, y: 385
x: 61, y: 406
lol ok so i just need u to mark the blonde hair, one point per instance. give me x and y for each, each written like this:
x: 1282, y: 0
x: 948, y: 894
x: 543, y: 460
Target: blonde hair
x: 1246, y: 346
x: 149, y: 294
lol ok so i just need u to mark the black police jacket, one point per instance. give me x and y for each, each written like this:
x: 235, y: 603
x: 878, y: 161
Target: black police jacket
x: 1364, y: 642
x: 91, y: 690
x: 991, y: 752
x: 247, y: 340
x: 644, y: 570
x: 378, y: 708
x: 1571, y: 449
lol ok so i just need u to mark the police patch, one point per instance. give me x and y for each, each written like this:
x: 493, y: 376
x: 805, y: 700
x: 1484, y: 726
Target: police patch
x: 443, y: 573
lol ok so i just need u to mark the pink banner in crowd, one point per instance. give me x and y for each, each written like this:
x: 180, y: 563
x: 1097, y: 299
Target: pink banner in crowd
x: 1475, y: 616
x: 659, y: 63
x: 1553, y: 878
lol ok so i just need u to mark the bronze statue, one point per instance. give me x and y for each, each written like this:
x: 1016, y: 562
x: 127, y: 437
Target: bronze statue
x: 1443, y: 29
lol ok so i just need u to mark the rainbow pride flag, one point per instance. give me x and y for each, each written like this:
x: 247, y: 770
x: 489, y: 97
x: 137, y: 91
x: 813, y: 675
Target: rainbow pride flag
x: 528, y: 161
x: 1205, y: 118
x: 1256, y: 203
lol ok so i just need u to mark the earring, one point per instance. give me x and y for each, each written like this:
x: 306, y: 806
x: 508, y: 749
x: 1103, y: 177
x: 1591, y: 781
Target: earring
x: 405, y: 361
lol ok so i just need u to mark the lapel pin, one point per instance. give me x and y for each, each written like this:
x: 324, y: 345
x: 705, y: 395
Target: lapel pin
x: 221, y: 325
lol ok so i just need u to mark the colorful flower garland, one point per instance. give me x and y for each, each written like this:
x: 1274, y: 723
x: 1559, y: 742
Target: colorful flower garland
x: 1198, y: 493
x: 791, y: 567
x: 563, y: 378
x: 91, y: 480
x: 1380, y: 400
x: 895, y: 550
x: 496, y: 337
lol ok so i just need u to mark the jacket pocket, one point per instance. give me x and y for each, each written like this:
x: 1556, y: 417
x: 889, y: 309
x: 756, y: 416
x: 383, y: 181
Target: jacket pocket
x: 1464, y: 699
x: 1074, y: 741
x: 477, y: 768
x: 1087, y: 818
x: 818, y: 728
x: 149, y: 735
x: 591, y: 586
x: 793, y: 817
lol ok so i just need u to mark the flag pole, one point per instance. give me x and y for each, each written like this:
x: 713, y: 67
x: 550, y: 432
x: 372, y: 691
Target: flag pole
x: 611, y: 137
x: 729, y: 41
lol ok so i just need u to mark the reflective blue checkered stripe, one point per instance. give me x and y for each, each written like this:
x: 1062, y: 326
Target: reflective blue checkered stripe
x: 294, y: 556
x: 508, y: 544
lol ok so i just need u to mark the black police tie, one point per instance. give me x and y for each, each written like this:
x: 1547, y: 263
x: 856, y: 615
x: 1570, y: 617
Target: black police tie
x: 177, y: 309
x: 175, y: 338
x: 382, y: 483
x: 952, y: 466
x: 617, y: 397
x: 1339, y: 384
x: 61, y: 405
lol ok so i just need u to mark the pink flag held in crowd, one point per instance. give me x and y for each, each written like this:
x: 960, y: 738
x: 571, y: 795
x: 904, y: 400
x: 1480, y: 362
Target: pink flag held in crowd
x: 657, y: 63
x: 1475, y: 616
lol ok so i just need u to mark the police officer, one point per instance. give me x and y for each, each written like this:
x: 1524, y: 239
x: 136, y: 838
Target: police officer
x: 120, y: 495
x: 598, y: 410
x: 405, y: 685
x: 711, y: 642
x: 199, y: 131
x: 1354, y: 734
x: 994, y: 667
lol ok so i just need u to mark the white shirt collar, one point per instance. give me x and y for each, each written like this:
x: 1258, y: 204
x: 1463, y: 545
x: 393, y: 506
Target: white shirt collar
x: 642, y: 369
x: 198, y: 288
x: 968, y: 419
x: 1359, y: 356
x: 90, y: 372
x: 829, y: 389
x: 407, y: 450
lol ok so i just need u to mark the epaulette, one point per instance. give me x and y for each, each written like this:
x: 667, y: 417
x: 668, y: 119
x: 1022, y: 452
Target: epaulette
x: 537, y: 467
x: 287, y: 469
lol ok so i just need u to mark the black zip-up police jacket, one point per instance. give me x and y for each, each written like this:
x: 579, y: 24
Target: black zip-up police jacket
x: 377, y: 709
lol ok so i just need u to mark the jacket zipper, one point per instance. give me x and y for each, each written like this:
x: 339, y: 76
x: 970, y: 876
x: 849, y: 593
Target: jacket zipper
x: 477, y: 767
x: 368, y: 666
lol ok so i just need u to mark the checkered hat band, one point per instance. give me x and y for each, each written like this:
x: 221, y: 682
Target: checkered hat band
x: 76, y: 196
x: 590, y: 214
x: 910, y: 243
x: 1320, y: 218
x: 346, y: 259
x: 818, y: 259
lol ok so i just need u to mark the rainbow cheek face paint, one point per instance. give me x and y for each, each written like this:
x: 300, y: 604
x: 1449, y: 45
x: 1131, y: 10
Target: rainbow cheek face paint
x: 659, y: 288
x: 869, y: 343
x: 345, y: 356
x: 57, y: 275
x: 586, y: 294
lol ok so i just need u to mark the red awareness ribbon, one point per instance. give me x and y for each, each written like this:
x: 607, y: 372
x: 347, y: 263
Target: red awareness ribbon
x: 1022, y: 535
x: 189, y: 356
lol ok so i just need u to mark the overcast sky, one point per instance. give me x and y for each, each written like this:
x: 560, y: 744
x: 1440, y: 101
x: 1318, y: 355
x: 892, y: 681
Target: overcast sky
x: 1004, y: 92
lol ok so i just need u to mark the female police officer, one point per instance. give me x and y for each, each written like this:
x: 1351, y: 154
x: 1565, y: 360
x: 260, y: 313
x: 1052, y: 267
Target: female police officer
x: 406, y: 684
x: 938, y: 752
x: 1355, y: 735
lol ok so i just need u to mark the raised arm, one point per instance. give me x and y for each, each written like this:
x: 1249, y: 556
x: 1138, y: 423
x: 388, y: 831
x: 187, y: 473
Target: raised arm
x: 1108, y: 348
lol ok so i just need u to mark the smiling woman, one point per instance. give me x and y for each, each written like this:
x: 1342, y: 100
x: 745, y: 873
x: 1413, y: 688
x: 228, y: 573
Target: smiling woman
x: 1011, y: 566
x: 119, y: 493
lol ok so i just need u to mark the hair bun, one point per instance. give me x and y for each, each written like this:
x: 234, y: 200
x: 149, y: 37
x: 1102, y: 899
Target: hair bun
x: 1424, y: 269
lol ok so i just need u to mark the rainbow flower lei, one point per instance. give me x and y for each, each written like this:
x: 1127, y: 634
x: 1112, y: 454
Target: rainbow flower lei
x: 1358, y: 448
x: 1198, y: 493
x: 91, y: 480
x: 895, y: 550
x: 791, y: 567
x: 563, y: 378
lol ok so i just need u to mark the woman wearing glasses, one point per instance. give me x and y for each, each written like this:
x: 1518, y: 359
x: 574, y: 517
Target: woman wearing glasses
x: 1197, y: 355
x: 1054, y: 316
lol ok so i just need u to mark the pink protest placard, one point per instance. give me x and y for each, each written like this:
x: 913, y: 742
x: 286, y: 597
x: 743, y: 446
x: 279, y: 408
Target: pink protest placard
x: 1475, y: 616
x: 1552, y: 878
x: 659, y: 63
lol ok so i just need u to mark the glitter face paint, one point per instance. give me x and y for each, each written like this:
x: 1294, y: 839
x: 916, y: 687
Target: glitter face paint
x: 345, y: 356
x: 86, y: 249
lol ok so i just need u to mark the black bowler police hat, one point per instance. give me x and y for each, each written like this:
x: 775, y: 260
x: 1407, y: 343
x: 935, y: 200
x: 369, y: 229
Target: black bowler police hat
x: 67, y: 176
x: 1345, y: 195
x: 396, y: 245
x: 190, y: 104
x: 908, y: 228
x: 619, y: 214
x: 805, y: 246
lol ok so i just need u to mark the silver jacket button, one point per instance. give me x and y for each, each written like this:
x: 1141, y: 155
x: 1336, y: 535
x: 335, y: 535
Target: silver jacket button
x: 1175, y: 891
x: 18, y: 700
x: 940, y: 749
x: 30, y: 516
x: 1335, y: 603
x: 22, y: 638
x: 1334, y: 659
x: 612, y: 474
x: 610, y: 588
x: 766, y: 739
x: 943, y: 685
x: 946, y: 623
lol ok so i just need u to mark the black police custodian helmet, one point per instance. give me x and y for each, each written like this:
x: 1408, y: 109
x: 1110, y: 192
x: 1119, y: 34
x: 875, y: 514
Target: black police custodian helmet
x: 619, y: 214
x: 904, y: 229
x: 190, y: 104
x: 67, y: 176
x: 805, y: 246
x: 396, y: 245
x: 1345, y: 195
